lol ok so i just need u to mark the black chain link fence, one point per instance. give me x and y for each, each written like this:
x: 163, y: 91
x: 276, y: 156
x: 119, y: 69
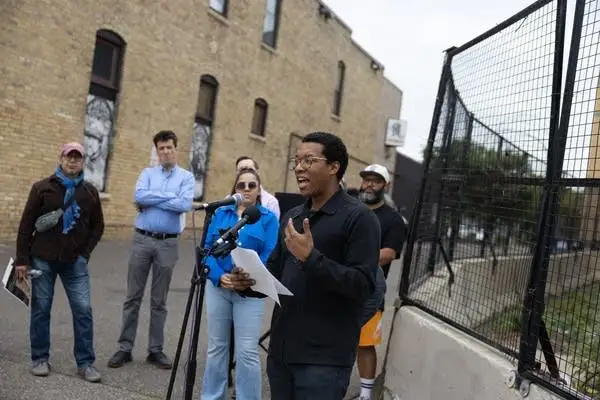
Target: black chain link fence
x: 504, y: 238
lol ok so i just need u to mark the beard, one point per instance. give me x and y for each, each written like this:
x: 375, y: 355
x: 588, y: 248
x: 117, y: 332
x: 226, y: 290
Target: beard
x: 370, y: 197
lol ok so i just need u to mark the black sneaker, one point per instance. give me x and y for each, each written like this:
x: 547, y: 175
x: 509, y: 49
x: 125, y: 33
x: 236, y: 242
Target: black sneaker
x: 160, y: 360
x: 119, y: 359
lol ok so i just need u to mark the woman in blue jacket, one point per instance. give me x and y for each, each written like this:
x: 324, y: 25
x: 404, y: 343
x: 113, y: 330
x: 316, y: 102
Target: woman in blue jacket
x: 225, y: 304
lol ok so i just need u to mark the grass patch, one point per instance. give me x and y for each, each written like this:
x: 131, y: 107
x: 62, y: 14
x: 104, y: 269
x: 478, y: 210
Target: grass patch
x: 573, y: 322
x: 574, y: 318
x: 507, y: 322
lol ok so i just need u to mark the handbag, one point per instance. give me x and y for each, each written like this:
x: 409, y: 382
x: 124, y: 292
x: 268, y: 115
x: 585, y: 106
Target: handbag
x: 49, y: 220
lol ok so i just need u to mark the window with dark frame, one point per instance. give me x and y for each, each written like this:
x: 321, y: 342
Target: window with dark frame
x: 207, y: 99
x: 220, y: 6
x: 107, y: 63
x: 271, y: 22
x: 339, y: 89
x: 259, y: 119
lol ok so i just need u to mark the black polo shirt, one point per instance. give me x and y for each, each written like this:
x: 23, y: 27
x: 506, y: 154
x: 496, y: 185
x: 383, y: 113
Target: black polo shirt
x: 320, y: 323
x: 393, y: 231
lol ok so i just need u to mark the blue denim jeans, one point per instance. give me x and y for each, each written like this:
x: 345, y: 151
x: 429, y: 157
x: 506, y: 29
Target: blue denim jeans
x: 222, y: 307
x: 76, y: 282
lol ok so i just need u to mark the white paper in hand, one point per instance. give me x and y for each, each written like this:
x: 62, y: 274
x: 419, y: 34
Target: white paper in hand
x: 21, y: 290
x: 266, y: 283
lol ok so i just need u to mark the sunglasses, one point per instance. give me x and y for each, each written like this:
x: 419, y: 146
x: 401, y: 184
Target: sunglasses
x: 244, y: 185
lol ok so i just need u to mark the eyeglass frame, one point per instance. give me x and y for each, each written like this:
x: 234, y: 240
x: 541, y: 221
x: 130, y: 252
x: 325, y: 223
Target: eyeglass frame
x: 306, y: 162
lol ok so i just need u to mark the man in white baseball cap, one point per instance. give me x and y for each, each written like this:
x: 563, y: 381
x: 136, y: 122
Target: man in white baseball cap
x: 377, y: 170
x: 375, y: 182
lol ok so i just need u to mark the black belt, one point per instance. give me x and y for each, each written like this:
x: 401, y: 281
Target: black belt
x: 155, y: 235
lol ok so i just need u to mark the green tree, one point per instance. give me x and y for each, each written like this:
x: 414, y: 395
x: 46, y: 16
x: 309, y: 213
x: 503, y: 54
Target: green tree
x: 488, y: 186
x: 485, y: 184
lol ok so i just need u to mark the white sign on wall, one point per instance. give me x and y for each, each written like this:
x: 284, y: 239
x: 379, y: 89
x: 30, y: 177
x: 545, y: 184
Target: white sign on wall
x: 396, y: 132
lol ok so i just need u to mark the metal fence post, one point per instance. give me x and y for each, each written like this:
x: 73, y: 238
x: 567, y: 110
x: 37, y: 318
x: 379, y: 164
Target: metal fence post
x: 416, y: 215
x: 533, y: 308
x: 445, y: 155
x: 464, y: 165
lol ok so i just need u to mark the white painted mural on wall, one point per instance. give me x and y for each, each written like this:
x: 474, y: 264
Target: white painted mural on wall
x: 199, y: 155
x: 97, y: 131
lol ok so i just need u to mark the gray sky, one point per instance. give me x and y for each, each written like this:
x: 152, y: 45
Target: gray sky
x: 409, y: 37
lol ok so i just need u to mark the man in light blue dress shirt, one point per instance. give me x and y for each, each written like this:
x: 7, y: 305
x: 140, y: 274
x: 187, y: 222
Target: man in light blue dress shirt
x: 162, y: 194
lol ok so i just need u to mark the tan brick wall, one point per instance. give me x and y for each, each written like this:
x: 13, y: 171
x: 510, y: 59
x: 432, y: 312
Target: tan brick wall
x: 47, y: 53
x: 589, y: 227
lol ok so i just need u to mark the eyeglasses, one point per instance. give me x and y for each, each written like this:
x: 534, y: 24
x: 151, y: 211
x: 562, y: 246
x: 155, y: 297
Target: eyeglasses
x: 305, y: 163
x: 244, y: 185
x: 73, y: 156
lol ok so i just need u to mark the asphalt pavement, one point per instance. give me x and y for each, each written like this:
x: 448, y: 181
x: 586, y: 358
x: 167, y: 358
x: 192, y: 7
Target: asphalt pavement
x: 137, y: 380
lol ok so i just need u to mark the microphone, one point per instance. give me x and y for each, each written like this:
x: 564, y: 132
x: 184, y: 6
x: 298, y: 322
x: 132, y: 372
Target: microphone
x: 249, y: 216
x: 236, y: 199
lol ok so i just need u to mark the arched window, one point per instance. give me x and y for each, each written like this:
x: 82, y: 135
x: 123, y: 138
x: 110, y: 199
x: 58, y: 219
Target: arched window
x: 107, y: 64
x: 207, y: 99
x: 271, y: 22
x: 259, y: 119
x: 339, y: 89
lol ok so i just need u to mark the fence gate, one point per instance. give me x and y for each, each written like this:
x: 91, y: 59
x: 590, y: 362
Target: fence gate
x: 508, y: 212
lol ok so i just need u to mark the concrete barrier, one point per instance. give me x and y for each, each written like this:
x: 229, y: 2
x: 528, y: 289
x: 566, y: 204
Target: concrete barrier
x: 429, y: 359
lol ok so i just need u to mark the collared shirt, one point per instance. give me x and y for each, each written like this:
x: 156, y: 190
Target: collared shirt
x: 320, y: 323
x: 164, y: 195
x: 270, y: 202
x: 260, y: 236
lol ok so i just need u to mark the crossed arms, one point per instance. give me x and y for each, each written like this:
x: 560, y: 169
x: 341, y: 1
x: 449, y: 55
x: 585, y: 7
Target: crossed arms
x: 168, y: 201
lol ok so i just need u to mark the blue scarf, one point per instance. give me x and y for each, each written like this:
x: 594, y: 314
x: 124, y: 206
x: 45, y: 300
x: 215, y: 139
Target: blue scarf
x: 71, y: 214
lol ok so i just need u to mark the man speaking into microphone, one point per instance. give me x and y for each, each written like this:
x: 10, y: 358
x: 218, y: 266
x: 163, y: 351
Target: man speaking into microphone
x: 327, y: 256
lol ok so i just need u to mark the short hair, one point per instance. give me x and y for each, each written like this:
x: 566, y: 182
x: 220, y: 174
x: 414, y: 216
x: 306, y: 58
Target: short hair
x: 165, y: 136
x: 334, y: 149
x: 242, y: 158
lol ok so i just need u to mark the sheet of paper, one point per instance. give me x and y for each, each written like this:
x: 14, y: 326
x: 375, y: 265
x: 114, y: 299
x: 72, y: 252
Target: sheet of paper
x: 279, y: 287
x: 266, y: 283
x: 21, y: 290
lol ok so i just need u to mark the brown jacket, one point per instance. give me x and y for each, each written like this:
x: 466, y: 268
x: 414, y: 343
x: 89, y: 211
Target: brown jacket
x: 45, y: 196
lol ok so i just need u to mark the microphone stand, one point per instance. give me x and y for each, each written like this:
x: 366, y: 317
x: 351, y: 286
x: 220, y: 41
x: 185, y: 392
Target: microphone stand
x: 196, y: 294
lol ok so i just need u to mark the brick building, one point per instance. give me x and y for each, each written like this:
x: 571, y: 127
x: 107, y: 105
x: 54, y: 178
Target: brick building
x: 590, y: 227
x: 229, y: 77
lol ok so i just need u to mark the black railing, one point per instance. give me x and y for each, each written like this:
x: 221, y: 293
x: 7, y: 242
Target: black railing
x: 504, y: 240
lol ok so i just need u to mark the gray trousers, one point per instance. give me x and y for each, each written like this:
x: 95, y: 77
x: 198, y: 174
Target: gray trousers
x: 160, y: 256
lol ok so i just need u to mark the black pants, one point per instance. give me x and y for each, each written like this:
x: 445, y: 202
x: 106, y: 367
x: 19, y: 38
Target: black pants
x: 307, y: 382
